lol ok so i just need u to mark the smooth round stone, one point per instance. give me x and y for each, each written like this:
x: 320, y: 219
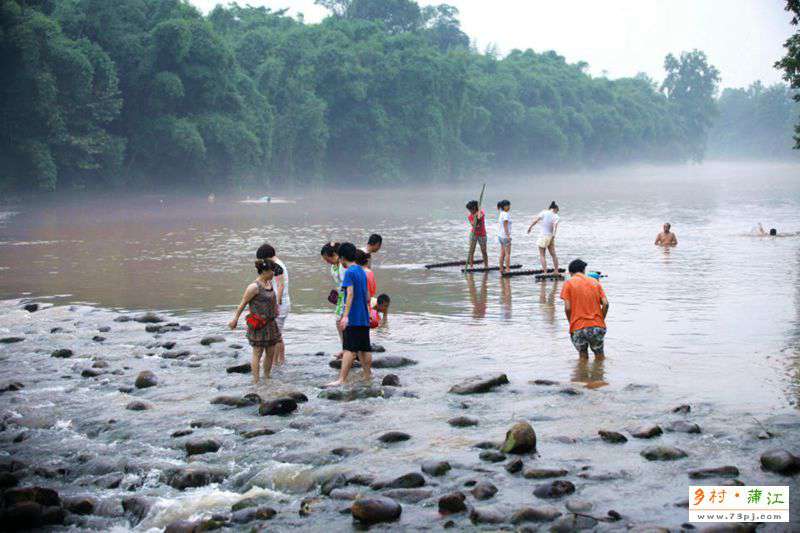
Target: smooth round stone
x: 578, y: 506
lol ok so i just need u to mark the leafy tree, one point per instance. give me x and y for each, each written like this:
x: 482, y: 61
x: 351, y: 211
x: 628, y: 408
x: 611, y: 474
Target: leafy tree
x: 690, y: 85
x: 790, y: 64
x: 396, y: 15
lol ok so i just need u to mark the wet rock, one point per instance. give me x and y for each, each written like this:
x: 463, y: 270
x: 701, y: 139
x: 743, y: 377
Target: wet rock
x: 125, y: 390
x: 138, y: 405
x: 453, y: 503
x: 11, y: 386
x: 732, y: 482
x: 377, y: 348
x: 520, y: 439
x: 570, y: 391
x: 780, y: 462
x: 146, y: 379
x: 575, y: 505
x: 109, y: 481
x: 375, y: 510
x: 252, y: 514
x: 41, y: 495
x: 98, y: 338
x: 543, y: 473
x: 463, y: 421
x: 363, y: 480
x: 208, y: 341
x: 62, y: 353
x: 345, y: 451
x: 344, y: 494
x: 392, y: 361
x: 613, y: 515
x: 146, y: 318
x: 194, y: 475
x: 100, y: 364
x: 183, y: 526
x: 647, y: 432
x: 104, y: 329
x: 573, y: 522
x: 612, y: 437
x: 436, y: 468
x: 20, y: 437
x: 683, y: 502
x: 279, y: 407
x: 663, y: 453
x: 200, y: 446
x: 91, y: 373
x: 406, y: 481
x: 31, y: 308
x: 681, y: 426
x: 409, y: 495
x: 82, y: 505
x: 484, y: 490
x: 182, y: 355
x: 554, y: 489
x: 492, y: 456
x: 487, y: 515
x: 394, y: 436
x: 136, y: 507
x: 487, y: 445
x: 181, y: 433
x: 335, y: 482
x: 479, y: 385
x: 30, y: 515
x: 685, y: 408
x: 258, y: 433
x: 545, y: 382
x: 604, y: 476
x: 56, y: 330
x: 233, y: 401
x: 514, y: 466
x: 8, y: 480
x: 543, y: 513
x: 349, y: 395
x: 239, y: 369
x: 11, y: 340
x: 719, y: 471
x: 391, y: 380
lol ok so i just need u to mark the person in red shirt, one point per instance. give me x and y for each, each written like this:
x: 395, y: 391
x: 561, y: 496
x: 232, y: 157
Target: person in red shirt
x: 477, y: 232
x: 586, y: 307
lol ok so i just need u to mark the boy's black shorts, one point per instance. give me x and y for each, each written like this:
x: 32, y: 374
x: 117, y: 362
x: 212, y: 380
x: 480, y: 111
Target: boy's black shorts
x: 356, y: 339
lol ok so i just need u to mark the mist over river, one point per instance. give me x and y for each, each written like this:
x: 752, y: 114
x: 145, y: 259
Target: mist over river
x: 713, y: 323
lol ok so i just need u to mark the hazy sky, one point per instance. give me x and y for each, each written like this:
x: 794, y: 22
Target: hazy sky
x: 743, y: 38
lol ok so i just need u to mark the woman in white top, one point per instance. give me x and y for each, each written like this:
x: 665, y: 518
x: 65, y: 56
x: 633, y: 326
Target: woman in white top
x: 504, y: 234
x: 547, y: 235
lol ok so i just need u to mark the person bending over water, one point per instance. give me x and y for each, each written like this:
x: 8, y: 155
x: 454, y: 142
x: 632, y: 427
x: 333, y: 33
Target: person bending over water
x: 666, y: 237
x: 281, y: 286
x: 547, y: 235
x: 330, y: 255
x: 586, y: 307
x: 379, y: 310
x: 262, y: 329
x: 504, y: 234
x: 355, y: 319
x: 477, y: 233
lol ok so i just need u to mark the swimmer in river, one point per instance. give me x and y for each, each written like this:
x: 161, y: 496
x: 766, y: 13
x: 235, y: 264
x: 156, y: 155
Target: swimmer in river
x: 666, y: 237
x: 262, y: 329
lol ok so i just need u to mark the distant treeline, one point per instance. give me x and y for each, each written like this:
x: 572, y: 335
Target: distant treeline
x: 151, y: 93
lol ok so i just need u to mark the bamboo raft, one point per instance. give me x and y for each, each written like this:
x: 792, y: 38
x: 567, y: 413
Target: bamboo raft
x: 532, y: 272
x: 453, y: 264
x: 484, y: 269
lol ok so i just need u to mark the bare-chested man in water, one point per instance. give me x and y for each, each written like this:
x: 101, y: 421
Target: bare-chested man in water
x: 666, y: 237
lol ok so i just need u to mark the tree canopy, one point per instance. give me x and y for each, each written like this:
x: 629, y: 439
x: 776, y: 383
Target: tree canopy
x: 790, y: 64
x: 152, y: 93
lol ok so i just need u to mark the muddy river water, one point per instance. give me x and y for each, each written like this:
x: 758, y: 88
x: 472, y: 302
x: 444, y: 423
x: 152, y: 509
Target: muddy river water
x: 713, y: 323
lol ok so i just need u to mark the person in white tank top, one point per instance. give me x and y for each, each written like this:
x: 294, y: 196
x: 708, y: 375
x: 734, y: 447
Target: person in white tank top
x: 548, y: 220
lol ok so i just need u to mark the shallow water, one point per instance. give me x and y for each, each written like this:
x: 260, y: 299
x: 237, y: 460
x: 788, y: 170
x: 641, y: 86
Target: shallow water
x: 713, y: 323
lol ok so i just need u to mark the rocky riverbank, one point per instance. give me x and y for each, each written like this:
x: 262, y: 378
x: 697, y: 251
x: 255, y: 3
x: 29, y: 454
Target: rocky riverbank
x: 146, y: 421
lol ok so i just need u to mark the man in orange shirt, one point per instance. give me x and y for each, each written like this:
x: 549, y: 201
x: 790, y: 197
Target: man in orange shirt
x: 586, y: 307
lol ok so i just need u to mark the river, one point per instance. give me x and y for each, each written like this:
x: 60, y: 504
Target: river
x: 713, y: 323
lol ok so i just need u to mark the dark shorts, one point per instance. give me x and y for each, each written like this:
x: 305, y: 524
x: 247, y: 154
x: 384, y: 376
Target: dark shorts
x: 356, y: 339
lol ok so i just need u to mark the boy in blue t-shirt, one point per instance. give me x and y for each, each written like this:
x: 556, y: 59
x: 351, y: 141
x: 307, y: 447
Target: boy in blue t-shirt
x: 355, y: 319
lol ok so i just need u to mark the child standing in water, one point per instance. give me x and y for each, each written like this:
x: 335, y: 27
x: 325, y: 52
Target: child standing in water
x: 262, y: 329
x: 504, y: 234
x: 330, y: 255
x: 362, y: 260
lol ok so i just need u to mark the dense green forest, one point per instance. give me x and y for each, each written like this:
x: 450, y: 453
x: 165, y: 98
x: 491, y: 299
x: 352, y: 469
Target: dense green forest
x: 790, y: 63
x: 151, y: 93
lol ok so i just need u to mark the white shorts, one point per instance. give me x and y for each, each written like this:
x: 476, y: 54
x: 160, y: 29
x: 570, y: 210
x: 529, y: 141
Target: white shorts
x: 544, y: 241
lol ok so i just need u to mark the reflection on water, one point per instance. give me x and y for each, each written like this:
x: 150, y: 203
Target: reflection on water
x: 477, y: 296
x: 589, y: 370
